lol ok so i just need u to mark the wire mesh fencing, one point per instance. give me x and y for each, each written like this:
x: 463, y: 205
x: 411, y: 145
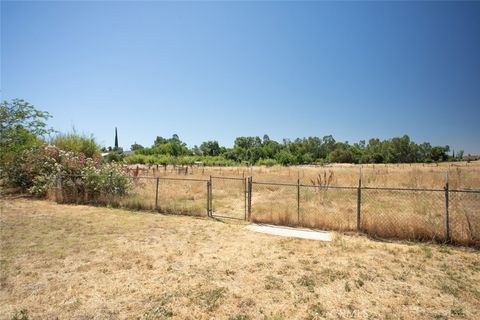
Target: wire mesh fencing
x: 403, y: 213
x: 422, y: 214
x: 229, y: 198
x: 274, y: 203
x: 96, y: 190
x: 304, y: 205
x: 464, y: 217
x: 166, y: 195
x: 182, y: 196
x: 332, y: 208
x: 415, y: 214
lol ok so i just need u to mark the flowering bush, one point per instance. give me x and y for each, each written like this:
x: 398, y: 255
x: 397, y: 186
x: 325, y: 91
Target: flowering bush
x: 36, y: 171
x: 108, y: 179
x: 24, y: 171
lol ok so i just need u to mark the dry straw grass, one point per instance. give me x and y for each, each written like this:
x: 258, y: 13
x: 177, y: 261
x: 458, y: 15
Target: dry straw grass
x: 461, y: 174
x: 80, y: 262
x: 397, y: 214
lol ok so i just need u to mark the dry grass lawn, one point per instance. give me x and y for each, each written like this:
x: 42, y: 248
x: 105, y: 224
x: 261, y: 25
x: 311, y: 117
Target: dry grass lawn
x: 80, y: 262
x: 384, y: 213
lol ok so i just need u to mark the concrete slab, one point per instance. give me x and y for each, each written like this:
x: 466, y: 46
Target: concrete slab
x: 291, y: 232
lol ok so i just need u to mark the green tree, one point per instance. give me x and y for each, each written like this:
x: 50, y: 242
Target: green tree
x: 159, y: 141
x: 210, y: 148
x: 22, y: 126
x: 136, y: 147
x: 197, y: 151
x: 440, y: 153
x: 285, y: 158
x: 341, y: 154
x: 328, y: 144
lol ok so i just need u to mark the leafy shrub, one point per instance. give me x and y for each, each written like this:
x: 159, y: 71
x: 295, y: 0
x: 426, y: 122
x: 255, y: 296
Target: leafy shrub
x: 77, y: 143
x: 165, y: 159
x: 135, y: 159
x: 29, y: 166
x: 114, y: 156
x: 95, y: 183
x: 267, y: 162
x: 37, y: 170
x: 285, y: 158
x: 217, y: 161
x: 187, y: 160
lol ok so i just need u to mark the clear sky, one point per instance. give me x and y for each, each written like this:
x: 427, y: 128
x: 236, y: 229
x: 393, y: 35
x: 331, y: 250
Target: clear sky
x: 219, y: 70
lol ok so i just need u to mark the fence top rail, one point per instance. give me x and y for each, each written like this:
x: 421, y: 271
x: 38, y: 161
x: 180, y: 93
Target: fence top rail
x: 302, y: 185
x: 465, y: 190
x: 175, y: 179
x: 327, y: 187
x: 295, y: 184
x: 227, y: 178
x: 275, y: 183
x: 364, y: 187
x: 403, y: 189
x: 142, y: 177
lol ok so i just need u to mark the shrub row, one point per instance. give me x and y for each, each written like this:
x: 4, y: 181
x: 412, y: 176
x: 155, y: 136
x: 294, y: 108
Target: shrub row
x: 37, y: 169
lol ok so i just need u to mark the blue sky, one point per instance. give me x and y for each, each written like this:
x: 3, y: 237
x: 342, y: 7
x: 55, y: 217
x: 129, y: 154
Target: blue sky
x: 220, y: 70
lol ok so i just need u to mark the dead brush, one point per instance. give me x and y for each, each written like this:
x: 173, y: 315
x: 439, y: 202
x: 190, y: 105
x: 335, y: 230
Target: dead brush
x: 325, y: 182
x: 322, y: 184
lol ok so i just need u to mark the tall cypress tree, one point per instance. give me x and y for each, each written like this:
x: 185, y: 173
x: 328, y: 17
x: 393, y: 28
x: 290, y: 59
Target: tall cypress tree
x: 116, y: 139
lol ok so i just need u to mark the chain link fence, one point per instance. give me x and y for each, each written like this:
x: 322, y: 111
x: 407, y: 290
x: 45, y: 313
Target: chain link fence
x: 421, y: 214
x: 331, y: 208
x: 415, y: 214
x: 403, y: 213
x: 166, y: 195
x: 229, y: 197
x: 464, y: 216
x: 273, y: 203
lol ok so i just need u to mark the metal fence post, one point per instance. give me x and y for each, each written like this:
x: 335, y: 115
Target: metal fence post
x: 359, y: 199
x: 245, y: 196
x: 110, y: 182
x: 298, y: 201
x: 208, y: 197
x: 211, y: 197
x: 447, y: 217
x: 249, y: 201
x: 156, y: 194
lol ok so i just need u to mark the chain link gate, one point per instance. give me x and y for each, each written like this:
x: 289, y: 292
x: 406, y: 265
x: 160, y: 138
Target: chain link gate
x: 228, y: 197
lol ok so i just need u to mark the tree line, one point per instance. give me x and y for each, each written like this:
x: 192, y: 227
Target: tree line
x: 310, y: 150
x: 22, y: 127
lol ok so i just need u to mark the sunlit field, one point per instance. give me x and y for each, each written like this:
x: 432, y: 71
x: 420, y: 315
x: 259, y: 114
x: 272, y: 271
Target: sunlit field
x: 83, y: 262
x: 324, y: 197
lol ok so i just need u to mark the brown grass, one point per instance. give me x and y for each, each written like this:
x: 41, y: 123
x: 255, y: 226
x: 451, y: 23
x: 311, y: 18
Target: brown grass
x: 389, y: 214
x: 461, y: 174
x: 80, y: 262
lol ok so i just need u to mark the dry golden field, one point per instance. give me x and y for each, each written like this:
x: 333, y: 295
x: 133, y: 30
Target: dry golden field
x: 81, y: 262
x: 462, y: 175
x: 401, y: 214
